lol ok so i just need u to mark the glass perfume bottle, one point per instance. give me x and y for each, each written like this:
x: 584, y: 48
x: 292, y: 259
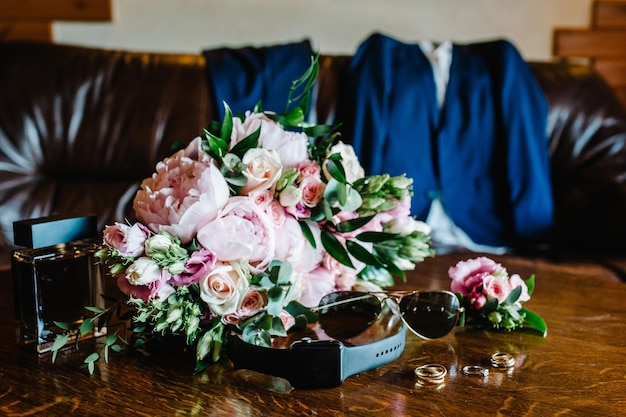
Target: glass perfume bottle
x: 55, y: 276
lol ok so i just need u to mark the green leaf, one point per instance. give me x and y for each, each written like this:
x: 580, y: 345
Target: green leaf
x: 96, y: 310
x: 296, y: 309
x: 362, y: 254
x: 513, y: 295
x: 335, y: 248
x: 284, y: 273
x: 249, y: 142
x: 376, y: 237
x: 316, y: 131
x: 93, y: 357
x: 227, y: 123
x: 217, y: 146
x: 278, y: 328
x: 490, y: 305
x: 60, y: 341
x: 65, y: 326
x: 86, y: 326
x: 308, y: 234
x: 276, y: 298
x: 530, y: 283
x: 535, y: 322
x: 112, y: 338
x: 335, y: 169
x: 353, y: 224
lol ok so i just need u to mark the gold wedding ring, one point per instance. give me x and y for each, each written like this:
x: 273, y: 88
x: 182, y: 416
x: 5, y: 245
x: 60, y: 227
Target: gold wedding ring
x: 475, y: 370
x: 502, y: 360
x: 431, y: 373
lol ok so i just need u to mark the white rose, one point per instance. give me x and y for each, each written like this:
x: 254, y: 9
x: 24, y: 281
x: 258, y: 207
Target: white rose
x: 224, y: 287
x: 349, y: 160
x: 263, y: 169
x: 143, y: 271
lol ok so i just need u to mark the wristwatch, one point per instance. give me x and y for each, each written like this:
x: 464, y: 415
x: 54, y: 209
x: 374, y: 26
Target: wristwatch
x: 309, y: 363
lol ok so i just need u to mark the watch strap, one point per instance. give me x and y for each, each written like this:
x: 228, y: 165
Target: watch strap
x: 277, y: 362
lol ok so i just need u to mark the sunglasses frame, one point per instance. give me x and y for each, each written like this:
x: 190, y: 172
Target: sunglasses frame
x: 396, y: 296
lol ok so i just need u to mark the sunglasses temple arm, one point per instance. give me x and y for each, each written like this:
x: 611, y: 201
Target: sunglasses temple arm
x: 344, y: 301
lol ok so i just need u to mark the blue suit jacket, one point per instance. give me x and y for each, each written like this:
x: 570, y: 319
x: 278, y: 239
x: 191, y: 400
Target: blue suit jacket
x: 243, y: 77
x: 485, y: 153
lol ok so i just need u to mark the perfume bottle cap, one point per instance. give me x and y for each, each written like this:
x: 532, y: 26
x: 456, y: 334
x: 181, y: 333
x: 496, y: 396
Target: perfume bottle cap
x: 52, y: 230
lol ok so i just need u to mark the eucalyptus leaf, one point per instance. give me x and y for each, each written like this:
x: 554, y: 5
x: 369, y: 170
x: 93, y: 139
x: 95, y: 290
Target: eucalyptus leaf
x: 92, y: 357
x: 59, y: 341
x: 275, y: 301
x: 284, y: 273
x: 65, y: 326
x: 86, y: 326
x: 96, y: 310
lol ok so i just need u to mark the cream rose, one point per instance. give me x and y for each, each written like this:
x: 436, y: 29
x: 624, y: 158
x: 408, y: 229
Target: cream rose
x: 263, y: 170
x: 224, y: 287
x: 143, y: 271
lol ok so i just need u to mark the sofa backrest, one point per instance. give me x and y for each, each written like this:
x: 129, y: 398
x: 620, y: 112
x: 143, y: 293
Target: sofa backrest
x: 80, y: 128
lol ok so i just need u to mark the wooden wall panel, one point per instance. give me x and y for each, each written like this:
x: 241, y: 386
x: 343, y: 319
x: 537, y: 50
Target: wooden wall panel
x: 25, y: 30
x: 603, y: 44
x: 608, y: 14
x: 56, y: 9
x: 32, y: 19
x: 589, y: 43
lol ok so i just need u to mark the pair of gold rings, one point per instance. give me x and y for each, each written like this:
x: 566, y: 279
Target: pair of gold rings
x: 431, y: 373
x: 502, y: 360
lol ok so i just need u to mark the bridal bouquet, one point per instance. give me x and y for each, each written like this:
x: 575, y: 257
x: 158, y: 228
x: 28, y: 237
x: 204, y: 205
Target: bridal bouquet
x: 249, y: 226
x: 493, y: 298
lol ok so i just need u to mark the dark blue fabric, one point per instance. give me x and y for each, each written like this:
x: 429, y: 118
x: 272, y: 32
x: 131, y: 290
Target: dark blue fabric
x: 485, y: 154
x: 244, y: 76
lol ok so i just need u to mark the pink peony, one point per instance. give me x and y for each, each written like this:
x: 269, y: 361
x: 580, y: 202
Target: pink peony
x: 292, y: 246
x: 292, y: 147
x: 127, y: 240
x: 242, y: 231
x: 184, y: 194
x: 318, y: 283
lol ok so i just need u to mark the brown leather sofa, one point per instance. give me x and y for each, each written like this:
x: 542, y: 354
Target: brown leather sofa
x: 81, y: 127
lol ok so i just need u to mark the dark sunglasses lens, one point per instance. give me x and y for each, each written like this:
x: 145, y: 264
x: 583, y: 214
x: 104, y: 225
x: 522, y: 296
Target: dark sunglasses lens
x: 430, y: 314
x: 345, y: 314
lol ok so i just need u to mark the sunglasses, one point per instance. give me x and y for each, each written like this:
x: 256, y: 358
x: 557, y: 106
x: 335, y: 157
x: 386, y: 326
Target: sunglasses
x: 429, y: 314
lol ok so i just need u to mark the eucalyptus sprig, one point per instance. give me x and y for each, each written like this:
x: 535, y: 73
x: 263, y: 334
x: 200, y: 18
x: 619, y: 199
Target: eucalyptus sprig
x: 96, y: 319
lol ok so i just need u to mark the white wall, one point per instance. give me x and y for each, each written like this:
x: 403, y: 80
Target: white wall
x: 334, y: 26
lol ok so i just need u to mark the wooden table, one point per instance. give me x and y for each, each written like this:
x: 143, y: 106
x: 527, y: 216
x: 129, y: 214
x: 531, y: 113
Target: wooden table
x: 578, y: 370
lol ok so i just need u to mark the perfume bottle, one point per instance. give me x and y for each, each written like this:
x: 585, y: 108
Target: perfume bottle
x: 55, y: 276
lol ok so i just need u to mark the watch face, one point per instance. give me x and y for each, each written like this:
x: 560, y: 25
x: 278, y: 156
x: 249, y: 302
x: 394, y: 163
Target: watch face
x: 316, y: 364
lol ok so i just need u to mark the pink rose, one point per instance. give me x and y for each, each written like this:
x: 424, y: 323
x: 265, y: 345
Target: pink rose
x: 252, y: 303
x: 494, y: 287
x: 516, y: 281
x: 312, y: 191
x: 185, y: 193
x: 261, y: 198
x: 309, y: 168
x: 223, y: 288
x: 287, y: 319
x: 127, y: 240
x: 276, y: 213
x: 241, y: 232
x: 199, y: 264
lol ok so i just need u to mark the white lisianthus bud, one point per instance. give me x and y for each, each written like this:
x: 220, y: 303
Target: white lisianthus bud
x: 143, y: 271
x: 158, y: 244
x: 174, y: 313
x: 290, y: 196
x: 204, y: 346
